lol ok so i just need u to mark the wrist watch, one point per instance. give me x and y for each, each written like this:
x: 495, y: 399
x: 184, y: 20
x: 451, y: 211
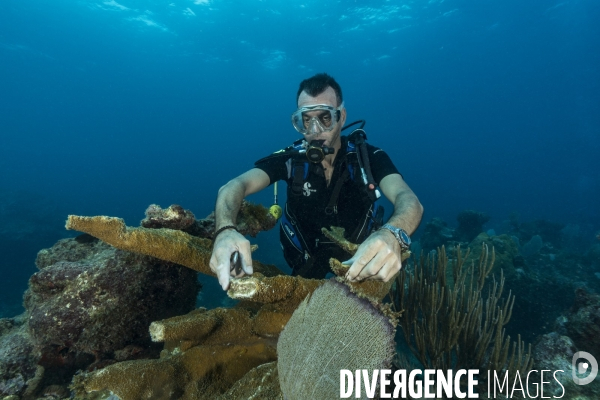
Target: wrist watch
x: 400, y: 234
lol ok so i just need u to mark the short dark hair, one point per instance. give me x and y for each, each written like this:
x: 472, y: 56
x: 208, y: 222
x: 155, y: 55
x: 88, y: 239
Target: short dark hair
x: 317, y: 84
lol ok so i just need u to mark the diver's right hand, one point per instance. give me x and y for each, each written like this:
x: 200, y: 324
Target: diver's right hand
x: 226, y: 243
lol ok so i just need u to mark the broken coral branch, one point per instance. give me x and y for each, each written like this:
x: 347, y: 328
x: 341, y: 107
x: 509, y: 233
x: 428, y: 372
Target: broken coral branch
x: 166, y: 244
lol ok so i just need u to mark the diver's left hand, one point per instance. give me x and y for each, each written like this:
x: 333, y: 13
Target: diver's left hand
x: 377, y: 258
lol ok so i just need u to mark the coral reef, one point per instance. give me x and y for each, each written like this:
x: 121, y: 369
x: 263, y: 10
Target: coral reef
x: 375, y: 290
x: 470, y: 224
x: 201, y: 372
x: 436, y: 234
x: 533, y: 246
x: 577, y: 330
x: 70, y: 250
x: 584, y: 321
x: 217, y: 331
x: 173, y: 217
x: 291, y: 290
x: 79, y: 315
x: 17, y: 356
x: 466, y: 334
x: 543, y: 283
x: 549, y: 231
x: 269, y: 298
x: 282, y: 288
x: 249, y: 330
x: 318, y: 341
x: 505, y: 252
x: 266, y: 285
x: 555, y: 352
x: 205, y: 353
x: 80, y: 305
x: 254, y: 218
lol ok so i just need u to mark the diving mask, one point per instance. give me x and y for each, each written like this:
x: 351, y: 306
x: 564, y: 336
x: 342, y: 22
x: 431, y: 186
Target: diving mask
x: 315, y: 119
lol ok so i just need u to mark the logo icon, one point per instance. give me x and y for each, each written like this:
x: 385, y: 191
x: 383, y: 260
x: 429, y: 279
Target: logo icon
x: 307, y: 189
x: 583, y: 367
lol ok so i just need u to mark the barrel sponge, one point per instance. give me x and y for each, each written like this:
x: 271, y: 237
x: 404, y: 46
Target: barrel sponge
x: 331, y: 330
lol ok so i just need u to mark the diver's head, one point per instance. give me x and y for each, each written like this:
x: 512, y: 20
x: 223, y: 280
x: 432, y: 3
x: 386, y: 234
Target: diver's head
x: 321, y: 113
x: 317, y: 84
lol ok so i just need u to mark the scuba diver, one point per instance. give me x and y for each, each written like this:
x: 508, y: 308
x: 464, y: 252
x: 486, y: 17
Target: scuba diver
x: 332, y: 180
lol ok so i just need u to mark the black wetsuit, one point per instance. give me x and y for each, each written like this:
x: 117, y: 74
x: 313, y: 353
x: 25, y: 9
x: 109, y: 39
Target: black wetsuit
x: 305, y: 248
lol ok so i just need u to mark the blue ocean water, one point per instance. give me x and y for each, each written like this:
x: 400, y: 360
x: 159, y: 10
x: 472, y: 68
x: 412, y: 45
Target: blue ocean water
x: 109, y: 106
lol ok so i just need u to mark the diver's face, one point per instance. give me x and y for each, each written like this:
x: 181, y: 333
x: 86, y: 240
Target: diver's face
x: 331, y: 137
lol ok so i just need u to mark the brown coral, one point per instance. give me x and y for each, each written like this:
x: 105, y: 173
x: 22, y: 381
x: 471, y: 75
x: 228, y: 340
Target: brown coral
x: 267, y: 285
x: 261, y: 382
x: 234, y: 340
x: 336, y: 234
x: 199, y: 373
x: 166, y: 244
x: 251, y: 220
x: 206, y: 352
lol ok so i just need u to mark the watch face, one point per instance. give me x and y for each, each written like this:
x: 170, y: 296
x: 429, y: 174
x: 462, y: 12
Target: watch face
x: 405, y: 237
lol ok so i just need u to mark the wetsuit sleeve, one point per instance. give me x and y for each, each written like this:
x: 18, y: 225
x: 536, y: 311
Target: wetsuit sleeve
x: 381, y: 164
x: 274, y: 167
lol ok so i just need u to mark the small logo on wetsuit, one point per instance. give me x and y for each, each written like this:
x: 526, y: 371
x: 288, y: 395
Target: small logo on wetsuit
x: 306, y: 189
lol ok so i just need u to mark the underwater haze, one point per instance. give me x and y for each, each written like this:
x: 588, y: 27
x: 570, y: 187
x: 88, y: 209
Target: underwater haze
x: 109, y: 106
